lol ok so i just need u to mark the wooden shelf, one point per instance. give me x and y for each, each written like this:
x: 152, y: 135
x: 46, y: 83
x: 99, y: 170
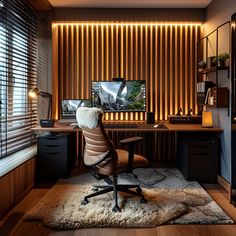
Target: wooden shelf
x: 213, y: 69
x: 219, y: 106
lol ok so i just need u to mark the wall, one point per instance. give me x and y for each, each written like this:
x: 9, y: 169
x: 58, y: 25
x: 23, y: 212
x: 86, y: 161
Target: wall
x: 44, y: 71
x: 218, y: 12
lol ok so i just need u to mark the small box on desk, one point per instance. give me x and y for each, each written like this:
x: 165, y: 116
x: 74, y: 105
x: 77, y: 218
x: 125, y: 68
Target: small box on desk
x: 195, y: 119
x: 46, y: 123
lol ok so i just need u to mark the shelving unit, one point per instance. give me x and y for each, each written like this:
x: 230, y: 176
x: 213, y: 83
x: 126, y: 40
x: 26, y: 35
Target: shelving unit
x: 211, y: 93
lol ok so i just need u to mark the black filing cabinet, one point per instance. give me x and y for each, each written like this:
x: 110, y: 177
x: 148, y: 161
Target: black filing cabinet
x: 56, y: 156
x: 198, y: 156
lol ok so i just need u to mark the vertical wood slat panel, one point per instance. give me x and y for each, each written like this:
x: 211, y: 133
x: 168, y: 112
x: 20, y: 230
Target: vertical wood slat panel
x: 163, y: 55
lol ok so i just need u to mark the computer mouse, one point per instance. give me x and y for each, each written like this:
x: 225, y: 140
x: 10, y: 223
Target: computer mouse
x: 158, y: 126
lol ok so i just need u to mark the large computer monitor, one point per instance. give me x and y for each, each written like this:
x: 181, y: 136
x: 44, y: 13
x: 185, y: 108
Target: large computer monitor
x: 69, y: 107
x: 119, y: 96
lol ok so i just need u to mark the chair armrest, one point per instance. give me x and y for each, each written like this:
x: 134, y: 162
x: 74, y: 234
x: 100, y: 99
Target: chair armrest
x: 131, y: 140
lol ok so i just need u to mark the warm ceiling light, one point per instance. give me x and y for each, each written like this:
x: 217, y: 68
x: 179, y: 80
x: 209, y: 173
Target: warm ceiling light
x: 129, y: 23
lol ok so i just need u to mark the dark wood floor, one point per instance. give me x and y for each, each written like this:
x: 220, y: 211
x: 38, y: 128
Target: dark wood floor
x: 35, y: 228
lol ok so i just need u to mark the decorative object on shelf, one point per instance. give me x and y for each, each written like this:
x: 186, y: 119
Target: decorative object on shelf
x: 202, y: 88
x: 33, y: 93
x: 190, y: 110
x: 207, y: 120
x: 218, y: 97
x: 211, y: 62
x: 202, y: 65
x: 179, y: 112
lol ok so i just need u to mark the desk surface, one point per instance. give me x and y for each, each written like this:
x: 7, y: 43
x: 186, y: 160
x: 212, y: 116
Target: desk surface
x: 141, y: 127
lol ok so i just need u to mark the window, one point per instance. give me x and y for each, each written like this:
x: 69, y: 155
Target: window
x: 18, y: 54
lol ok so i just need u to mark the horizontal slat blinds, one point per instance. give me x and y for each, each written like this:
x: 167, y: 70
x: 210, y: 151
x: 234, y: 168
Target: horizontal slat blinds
x: 162, y: 54
x: 18, y: 54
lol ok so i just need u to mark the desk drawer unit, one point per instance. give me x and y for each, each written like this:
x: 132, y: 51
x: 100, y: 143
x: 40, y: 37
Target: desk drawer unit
x: 56, y: 156
x: 198, y: 156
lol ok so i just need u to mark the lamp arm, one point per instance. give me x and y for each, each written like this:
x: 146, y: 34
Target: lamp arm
x: 49, y: 96
x: 50, y: 107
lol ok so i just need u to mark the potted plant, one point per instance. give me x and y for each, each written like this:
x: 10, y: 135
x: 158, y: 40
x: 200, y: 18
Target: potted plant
x: 222, y: 59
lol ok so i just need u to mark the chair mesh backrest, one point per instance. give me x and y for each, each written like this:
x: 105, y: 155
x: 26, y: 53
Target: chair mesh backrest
x: 98, y: 147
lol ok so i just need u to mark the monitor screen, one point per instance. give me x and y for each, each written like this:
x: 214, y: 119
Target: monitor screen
x: 119, y: 96
x: 69, y: 107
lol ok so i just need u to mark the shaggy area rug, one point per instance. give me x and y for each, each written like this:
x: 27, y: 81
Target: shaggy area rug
x: 171, y: 200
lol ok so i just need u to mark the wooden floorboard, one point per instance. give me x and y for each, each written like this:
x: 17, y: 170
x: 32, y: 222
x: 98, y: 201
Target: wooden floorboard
x: 36, y: 228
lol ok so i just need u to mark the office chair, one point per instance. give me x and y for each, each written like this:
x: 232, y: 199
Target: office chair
x: 101, y: 155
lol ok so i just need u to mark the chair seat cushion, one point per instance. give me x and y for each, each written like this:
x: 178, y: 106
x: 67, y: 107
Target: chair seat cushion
x: 139, y: 161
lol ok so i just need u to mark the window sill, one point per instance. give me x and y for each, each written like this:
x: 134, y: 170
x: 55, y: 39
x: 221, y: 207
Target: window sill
x: 9, y: 163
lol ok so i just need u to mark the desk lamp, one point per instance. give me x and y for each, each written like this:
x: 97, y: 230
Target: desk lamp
x: 207, y: 120
x: 49, y: 122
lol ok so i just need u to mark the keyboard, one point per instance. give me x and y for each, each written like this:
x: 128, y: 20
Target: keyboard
x: 119, y: 126
x: 63, y: 121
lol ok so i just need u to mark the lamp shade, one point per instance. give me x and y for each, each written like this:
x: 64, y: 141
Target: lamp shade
x: 33, y: 93
x: 207, y: 120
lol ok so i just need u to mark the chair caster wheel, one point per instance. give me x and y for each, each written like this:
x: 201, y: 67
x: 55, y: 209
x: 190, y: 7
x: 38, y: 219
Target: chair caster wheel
x: 116, y: 209
x: 143, y: 200
x: 138, y: 190
x: 85, y: 201
x: 94, y: 189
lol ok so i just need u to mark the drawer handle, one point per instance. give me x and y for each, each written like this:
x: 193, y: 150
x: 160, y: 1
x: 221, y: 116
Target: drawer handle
x: 52, y: 145
x: 201, y: 154
x: 201, y: 146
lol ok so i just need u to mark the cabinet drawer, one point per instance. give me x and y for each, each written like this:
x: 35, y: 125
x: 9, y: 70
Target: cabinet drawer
x: 53, y: 148
x: 51, y: 154
x: 52, y: 167
x: 201, y: 143
x: 50, y: 141
x: 203, y: 151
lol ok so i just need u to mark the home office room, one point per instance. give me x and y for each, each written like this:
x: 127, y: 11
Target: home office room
x: 117, y: 117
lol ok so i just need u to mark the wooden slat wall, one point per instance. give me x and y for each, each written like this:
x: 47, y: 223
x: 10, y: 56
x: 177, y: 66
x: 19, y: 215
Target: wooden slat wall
x: 162, y: 54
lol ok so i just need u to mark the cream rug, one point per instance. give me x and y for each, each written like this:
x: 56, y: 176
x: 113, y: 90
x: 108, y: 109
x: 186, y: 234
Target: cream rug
x: 171, y: 200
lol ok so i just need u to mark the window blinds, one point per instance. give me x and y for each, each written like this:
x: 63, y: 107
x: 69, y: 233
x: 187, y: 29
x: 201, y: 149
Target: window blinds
x: 18, y: 54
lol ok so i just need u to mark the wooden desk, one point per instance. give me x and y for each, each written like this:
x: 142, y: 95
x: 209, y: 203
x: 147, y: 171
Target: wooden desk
x: 58, y: 127
x: 165, y: 147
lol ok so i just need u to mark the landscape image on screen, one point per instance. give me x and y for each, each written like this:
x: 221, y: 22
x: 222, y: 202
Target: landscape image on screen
x: 69, y: 107
x: 119, y: 95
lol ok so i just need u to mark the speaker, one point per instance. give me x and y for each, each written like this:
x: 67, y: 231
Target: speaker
x: 150, y: 117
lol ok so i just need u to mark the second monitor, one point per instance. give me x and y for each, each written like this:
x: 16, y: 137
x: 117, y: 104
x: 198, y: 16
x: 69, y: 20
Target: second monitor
x: 69, y: 107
